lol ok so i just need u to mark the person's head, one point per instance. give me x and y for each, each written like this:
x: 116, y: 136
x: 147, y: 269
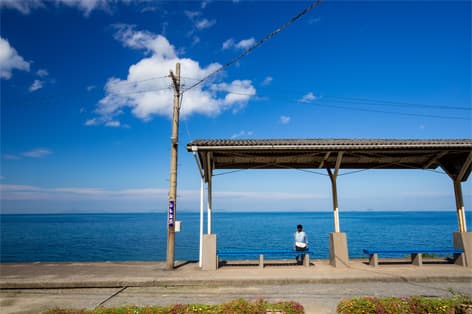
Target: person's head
x: 299, y: 228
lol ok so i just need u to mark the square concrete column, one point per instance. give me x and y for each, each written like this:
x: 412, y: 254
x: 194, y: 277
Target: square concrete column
x: 338, y: 253
x: 463, y: 240
x: 209, y: 252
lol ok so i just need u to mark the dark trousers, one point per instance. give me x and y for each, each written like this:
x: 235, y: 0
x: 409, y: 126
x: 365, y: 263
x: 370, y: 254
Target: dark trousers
x: 300, y: 249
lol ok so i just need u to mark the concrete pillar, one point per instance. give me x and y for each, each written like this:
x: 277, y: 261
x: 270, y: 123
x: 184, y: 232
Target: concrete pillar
x: 460, y: 206
x: 417, y: 259
x: 202, y: 188
x: 338, y: 252
x: 334, y: 189
x: 210, y: 196
x: 463, y: 240
x: 209, y: 252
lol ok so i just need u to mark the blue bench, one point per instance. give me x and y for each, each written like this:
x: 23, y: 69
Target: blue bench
x: 416, y: 254
x: 261, y: 253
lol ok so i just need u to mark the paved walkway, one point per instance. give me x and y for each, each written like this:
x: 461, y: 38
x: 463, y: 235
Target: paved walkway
x: 33, y: 287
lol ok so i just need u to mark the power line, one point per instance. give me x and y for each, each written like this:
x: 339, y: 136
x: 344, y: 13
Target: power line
x: 395, y: 112
x: 354, y: 100
x: 366, y: 101
x: 124, y: 83
x: 141, y: 91
x: 316, y: 103
x: 260, y: 42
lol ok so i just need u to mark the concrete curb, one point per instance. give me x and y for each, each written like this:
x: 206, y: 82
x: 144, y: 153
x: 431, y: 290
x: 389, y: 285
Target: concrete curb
x: 222, y: 282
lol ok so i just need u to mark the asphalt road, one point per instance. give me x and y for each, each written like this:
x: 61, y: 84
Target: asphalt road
x: 315, y: 297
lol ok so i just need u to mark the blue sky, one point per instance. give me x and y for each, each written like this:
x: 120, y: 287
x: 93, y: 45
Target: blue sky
x: 86, y: 104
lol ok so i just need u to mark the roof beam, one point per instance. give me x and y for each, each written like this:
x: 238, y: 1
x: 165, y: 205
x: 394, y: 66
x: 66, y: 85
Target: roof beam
x: 198, y: 164
x: 465, y: 167
x: 435, y: 159
x: 207, y: 165
x: 324, y: 160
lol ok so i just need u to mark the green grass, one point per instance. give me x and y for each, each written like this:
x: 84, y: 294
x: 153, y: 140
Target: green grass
x: 239, y: 306
x: 410, y: 305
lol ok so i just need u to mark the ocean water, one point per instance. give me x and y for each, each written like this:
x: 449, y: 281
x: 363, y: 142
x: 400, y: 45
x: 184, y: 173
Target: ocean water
x: 143, y: 236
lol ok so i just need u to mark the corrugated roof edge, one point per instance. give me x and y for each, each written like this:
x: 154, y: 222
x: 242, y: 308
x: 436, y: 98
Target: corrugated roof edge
x: 463, y: 143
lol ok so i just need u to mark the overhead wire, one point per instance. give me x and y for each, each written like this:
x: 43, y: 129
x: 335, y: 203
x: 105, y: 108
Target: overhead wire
x: 143, y: 91
x: 257, y: 44
x: 378, y: 102
x: 393, y: 112
x: 185, y: 121
x: 324, y: 103
x: 126, y: 82
x: 370, y: 102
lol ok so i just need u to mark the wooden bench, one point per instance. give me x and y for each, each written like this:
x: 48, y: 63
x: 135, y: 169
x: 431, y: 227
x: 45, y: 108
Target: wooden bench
x: 416, y: 254
x: 261, y: 253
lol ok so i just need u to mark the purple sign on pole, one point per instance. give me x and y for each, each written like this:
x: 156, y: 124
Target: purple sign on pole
x: 171, y: 213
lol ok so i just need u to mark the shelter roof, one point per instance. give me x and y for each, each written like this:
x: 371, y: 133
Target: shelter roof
x: 452, y: 155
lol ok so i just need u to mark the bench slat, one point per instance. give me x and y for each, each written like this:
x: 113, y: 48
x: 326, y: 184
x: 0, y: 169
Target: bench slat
x: 416, y: 254
x: 263, y: 252
x: 412, y: 251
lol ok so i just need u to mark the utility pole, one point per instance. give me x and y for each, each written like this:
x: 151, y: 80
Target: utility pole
x: 172, y: 210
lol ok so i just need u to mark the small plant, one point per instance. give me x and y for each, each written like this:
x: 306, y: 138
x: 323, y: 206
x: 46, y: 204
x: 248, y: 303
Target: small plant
x: 457, y: 303
x: 238, y: 306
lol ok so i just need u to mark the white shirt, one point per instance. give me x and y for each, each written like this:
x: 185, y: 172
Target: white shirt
x: 301, y: 237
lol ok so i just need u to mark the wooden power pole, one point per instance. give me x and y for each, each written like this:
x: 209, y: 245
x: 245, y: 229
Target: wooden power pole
x: 172, y: 209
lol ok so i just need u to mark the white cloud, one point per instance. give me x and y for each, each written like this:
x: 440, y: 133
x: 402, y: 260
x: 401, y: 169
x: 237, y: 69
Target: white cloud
x: 228, y: 43
x: 196, y: 40
x: 246, y: 43
x: 24, y: 6
x: 27, y: 192
x: 10, y: 60
x: 242, y: 133
x: 13, y: 187
x: 90, y: 88
x: 237, y: 91
x: 149, y: 9
x: 113, y: 124
x: 157, y: 44
x: 200, y: 24
x: 243, y: 44
x: 192, y: 14
x: 204, y: 4
x: 146, y: 90
x: 37, y: 84
x: 267, y: 81
x: 37, y: 153
x: 307, y: 98
x: 269, y: 195
x: 92, y: 122
x: 285, y: 119
x: 204, y: 24
x: 42, y: 73
x: 86, y: 6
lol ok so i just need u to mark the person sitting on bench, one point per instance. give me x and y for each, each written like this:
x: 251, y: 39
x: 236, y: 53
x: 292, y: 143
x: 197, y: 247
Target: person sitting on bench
x: 301, y: 243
